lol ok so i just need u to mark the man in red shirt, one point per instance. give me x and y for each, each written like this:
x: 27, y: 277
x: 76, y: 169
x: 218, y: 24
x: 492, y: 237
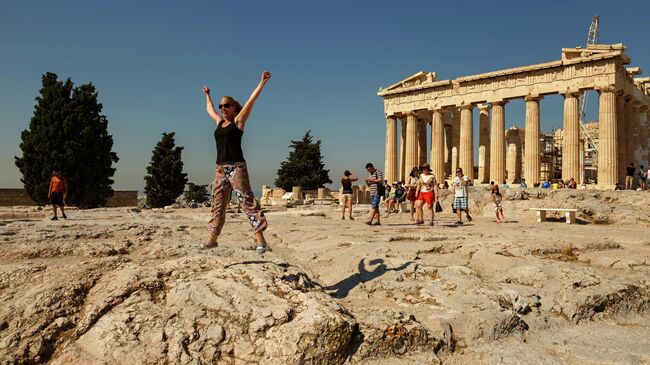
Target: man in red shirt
x: 58, y: 192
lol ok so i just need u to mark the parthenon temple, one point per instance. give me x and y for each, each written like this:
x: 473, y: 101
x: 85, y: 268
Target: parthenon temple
x: 447, y: 106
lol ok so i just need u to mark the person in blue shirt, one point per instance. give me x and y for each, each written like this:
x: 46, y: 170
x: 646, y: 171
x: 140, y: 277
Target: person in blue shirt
x: 523, y: 184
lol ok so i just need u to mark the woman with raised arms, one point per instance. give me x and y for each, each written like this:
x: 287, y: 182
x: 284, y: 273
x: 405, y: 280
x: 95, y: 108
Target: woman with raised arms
x: 231, y: 171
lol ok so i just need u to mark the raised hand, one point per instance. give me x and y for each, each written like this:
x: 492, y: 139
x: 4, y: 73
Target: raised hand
x: 266, y: 76
x: 206, y: 90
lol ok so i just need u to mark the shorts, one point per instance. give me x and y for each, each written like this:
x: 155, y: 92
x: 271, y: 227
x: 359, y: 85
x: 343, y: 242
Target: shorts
x: 427, y: 197
x: 57, y: 198
x: 374, y: 201
x: 497, y: 206
x: 412, y: 196
x: 344, y: 197
x: 460, y: 202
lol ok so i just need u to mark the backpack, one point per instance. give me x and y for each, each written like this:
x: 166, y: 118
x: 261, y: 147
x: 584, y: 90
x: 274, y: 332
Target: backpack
x: 381, y: 189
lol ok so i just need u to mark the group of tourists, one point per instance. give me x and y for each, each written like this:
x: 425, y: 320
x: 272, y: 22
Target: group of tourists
x: 631, y: 174
x: 559, y: 184
x: 420, y: 189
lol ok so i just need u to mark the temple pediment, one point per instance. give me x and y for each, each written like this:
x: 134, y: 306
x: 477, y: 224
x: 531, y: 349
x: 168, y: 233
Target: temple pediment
x: 419, y: 78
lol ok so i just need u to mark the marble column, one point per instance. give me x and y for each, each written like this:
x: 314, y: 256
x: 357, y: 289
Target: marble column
x: 422, y: 142
x: 447, y: 128
x: 621, y: 137
x: 390, y: 169
x: 484, y: 144
x: 402, y: 149
x: 643, y: 125
x: 437, y: 146
x: 411, y: 142
x: 497, y: 143
x: 532, y: 164
x: 571, y: 138
x: 513, y: 162
x: 629, y: 132
x: 635, y: 119
x: 466, y: 155
x: 455, y: 140
x: 607, y: 139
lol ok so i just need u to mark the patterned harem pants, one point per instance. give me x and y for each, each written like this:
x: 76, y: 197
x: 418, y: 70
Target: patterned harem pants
x: 229, y: 177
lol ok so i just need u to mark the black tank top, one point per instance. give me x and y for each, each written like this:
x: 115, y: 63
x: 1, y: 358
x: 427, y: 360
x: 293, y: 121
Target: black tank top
x: 347, y: 186
x: 228, y: 142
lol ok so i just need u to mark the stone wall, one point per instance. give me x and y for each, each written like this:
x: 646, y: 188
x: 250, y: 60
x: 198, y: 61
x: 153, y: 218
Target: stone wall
x: 9, y: 197
x: 121, y: 198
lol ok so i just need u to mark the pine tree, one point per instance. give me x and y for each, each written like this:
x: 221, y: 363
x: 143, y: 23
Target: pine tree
x: 165, y: 179
x: 68, y: 131
x: 304, y: 167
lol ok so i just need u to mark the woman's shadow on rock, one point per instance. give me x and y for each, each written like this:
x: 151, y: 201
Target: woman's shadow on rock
x: 343, y: 287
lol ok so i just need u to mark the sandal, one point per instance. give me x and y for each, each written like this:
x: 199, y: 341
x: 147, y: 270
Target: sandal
x: 207, y: 246
x: 460, y: 223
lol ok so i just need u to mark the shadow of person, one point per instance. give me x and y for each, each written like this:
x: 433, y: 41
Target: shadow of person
x: 343, y: 287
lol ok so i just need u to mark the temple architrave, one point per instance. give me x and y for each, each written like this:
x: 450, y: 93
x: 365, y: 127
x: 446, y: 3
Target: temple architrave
x: 448, y: 107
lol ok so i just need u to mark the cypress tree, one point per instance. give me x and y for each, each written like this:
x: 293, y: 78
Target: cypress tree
x: 68, y: 130
x: 304, y: 167
x: 165, y: 179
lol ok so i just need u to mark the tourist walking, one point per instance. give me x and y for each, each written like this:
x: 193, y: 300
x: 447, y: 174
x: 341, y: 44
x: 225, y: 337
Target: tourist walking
x: 460, y: 195
x: 497, y: 198
x: 629, y: 176
x: 58, y: 192
x: 427, y: 192
x: 412, y: 184
x: 346, y: 194
x: 231, y: 171
x: 375, y: 180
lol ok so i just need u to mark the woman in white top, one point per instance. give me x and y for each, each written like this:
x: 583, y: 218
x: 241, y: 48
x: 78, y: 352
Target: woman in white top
x: 427, y: 192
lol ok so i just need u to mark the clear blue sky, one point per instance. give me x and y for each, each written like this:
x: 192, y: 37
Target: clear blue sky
x: 148, y: 60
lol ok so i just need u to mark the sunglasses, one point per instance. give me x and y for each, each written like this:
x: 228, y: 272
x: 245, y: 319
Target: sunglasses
x: 225, y: 106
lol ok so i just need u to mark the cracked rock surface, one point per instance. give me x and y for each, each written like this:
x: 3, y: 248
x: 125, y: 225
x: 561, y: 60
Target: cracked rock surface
x: 125, y: 286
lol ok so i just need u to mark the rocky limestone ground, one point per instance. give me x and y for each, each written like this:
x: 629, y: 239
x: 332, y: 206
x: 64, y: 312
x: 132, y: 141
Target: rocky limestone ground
x: 128, y: 286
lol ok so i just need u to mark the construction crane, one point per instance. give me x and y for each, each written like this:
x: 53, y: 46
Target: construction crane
x: 592, y: 38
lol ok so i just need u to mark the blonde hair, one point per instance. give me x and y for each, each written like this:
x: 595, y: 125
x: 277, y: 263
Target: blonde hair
x: 230, y: 99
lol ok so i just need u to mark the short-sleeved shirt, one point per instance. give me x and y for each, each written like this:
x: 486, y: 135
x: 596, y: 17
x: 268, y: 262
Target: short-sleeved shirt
x: 460, y: 190
x: 412, y: 181
x: 58, y: 185
x: 377, y: 175
x: 630, y: 171
x: 427, y: 182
